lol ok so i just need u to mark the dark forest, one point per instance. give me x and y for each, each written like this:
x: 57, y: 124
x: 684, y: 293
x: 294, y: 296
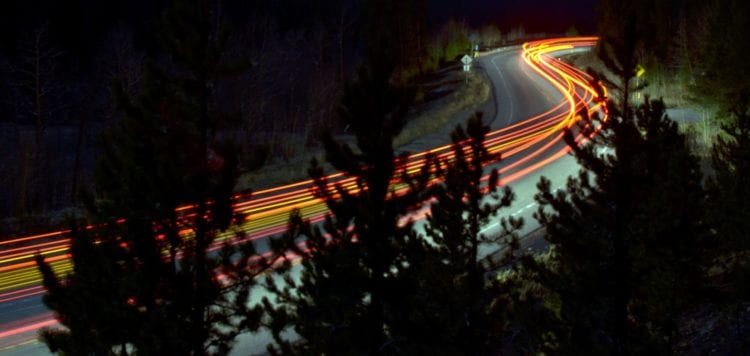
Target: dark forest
x: 374, y: 177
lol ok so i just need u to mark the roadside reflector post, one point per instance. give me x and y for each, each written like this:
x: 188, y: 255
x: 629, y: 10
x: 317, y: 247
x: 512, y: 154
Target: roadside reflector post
x: 466, y: 60
x: 639, y: 71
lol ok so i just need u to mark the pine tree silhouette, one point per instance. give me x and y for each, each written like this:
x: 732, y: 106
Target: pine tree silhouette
x: 729, y: 207
x: 351, y: 283
x: 144, y: 285
x: 456, y: 308
x: 627, y: 234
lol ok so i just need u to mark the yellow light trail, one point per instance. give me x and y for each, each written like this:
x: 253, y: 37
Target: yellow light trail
x: 267, y: 210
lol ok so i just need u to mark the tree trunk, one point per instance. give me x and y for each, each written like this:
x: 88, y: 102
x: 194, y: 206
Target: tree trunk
x: 23, y: 178
x: 77, y: 160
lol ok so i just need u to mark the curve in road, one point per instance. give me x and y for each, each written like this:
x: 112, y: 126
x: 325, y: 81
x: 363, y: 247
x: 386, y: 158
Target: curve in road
x: 536, y: 96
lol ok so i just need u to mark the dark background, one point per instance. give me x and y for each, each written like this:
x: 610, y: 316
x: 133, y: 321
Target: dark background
x: 80, y: 24
x: 299, y: 51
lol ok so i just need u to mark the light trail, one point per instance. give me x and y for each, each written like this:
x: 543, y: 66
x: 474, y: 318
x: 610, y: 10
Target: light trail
x: 526, y: 146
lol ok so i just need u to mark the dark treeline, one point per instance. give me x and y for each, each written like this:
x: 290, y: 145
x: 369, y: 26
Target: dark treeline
x: 698, y: 44
x: 641, y: 245
x: 59, y: 60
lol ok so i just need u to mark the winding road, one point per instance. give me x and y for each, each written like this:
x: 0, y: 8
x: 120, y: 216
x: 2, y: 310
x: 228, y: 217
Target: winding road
x: 536, y: 97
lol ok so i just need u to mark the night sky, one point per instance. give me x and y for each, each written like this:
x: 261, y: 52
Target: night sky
x: 78, y: 25
x: 535, y: 15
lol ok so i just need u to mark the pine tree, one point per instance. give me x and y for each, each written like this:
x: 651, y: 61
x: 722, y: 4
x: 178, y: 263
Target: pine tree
x: 350, y: 282
x: 91, y: 302
x: 456, y: 308
x: 730, y: 214
x: 143, y: 285
x: 723, y: 72
x: 721, y: 82
x: 627, y: 233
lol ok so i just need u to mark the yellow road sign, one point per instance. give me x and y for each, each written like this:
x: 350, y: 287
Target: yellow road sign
x: 639, y: 71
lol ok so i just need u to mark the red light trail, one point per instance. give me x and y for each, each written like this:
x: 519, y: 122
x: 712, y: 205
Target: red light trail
x: 525, y: 146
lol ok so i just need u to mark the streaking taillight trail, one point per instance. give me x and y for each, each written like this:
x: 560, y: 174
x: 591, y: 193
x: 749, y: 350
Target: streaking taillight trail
x: 525, y: 147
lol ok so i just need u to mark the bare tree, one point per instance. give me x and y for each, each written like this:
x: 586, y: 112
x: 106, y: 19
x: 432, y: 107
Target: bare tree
x: 117, y: 60
x: 120, y: 60
x: 516, y: 33
x: 345, y: 21
x: 39, y: 96
x: 36, y: 74
x: 490, y: 35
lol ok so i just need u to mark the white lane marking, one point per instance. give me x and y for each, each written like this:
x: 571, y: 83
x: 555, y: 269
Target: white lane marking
x: 495, y: 224
x: 489, y: 227
x: 507, y: 90
x: 519, y: 212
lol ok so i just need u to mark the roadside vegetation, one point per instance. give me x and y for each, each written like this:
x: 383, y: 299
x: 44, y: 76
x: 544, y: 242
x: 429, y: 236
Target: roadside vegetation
x: 289, y: 95
x: 646, y: 254
x: 693, y: 63
x: 442, y: 98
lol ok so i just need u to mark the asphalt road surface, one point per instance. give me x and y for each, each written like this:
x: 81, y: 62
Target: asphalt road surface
x: 519, y: 93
